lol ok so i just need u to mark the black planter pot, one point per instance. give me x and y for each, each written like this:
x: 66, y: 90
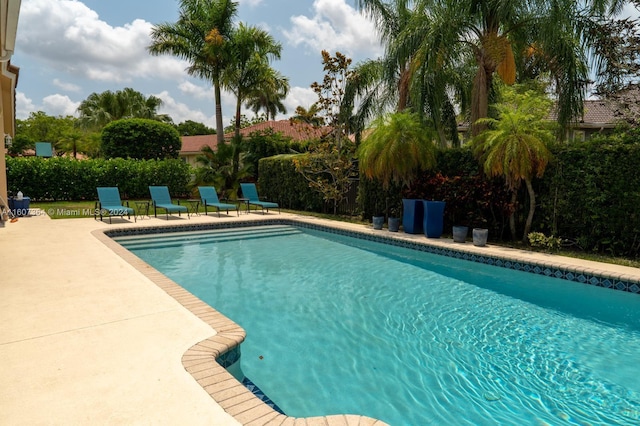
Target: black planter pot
x: 394, y: 224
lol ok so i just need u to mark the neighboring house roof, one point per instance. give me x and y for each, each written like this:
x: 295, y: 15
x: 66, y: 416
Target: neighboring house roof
x: 194, y: 144
x: 598, y: 114
x: 295, y: 131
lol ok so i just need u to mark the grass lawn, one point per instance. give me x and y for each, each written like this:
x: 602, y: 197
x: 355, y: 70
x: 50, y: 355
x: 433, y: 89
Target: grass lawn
x: 79, y: 209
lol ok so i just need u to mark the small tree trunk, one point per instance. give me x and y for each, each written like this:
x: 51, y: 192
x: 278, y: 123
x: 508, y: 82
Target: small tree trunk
x: 512, y: 217
x: 532, y: 208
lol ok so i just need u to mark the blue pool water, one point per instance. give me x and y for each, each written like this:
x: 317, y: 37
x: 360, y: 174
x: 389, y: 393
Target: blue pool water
x: 337, y: 325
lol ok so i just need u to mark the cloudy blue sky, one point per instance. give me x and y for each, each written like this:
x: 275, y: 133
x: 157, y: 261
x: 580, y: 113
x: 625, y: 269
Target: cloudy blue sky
x: 68, y: 49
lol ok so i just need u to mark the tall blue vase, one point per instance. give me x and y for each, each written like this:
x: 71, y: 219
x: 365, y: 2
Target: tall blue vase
x: 433, y: 218
x: 412, y: 215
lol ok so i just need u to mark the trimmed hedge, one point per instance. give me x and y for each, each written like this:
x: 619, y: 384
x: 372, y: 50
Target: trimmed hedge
x: 590, y: 195
x: 62, y: 178
x: 280, y: 182
x: 141, y: 139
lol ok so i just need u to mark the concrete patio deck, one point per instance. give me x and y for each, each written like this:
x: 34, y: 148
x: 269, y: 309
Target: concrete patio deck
x: 87, y: 338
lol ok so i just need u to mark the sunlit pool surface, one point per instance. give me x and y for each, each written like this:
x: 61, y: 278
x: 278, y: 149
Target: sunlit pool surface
x: 338, y: 325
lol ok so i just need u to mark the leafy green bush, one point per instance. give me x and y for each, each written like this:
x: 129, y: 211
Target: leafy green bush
x: 590, y: 196
x: 62, y: 178
x: 267, y: 143
x: 140, y: 138
x: 279, y: 181
x: 539, y: 240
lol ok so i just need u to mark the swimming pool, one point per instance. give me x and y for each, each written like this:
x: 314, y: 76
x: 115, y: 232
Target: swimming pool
x: 408, y: 337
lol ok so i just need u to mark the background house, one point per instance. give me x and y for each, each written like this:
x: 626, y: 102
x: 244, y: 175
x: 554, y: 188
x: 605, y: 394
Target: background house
x: 599, y: 117
x: 192, y: 145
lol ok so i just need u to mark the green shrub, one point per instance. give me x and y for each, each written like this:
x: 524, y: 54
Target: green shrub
x: 279, y: 181
x: 140, y: 138
x: 62, y: 178
x: 539, y: 240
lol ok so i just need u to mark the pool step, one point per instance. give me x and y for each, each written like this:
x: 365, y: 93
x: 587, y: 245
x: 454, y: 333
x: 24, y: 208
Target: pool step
x: 200, y: 237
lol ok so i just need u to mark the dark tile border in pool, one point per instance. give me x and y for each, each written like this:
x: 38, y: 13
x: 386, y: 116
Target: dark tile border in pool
x: 547, y: 268
x: 203, y: 359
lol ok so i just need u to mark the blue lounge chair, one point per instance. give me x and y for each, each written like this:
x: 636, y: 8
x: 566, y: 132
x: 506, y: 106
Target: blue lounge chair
x: 109, y: 202
x: 162, y: 200
x: 209, y: 198
x: 250, y: 192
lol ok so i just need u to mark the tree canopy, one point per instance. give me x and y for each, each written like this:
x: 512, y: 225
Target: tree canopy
x: 99, y: 109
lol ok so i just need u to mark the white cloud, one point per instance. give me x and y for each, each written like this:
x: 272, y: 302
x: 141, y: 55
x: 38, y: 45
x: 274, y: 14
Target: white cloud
x: 70, y: 37
x: 180, y: 112
x: 195, y: 91
x: 299, y: 96
x: 251, y: 3
x: 70, y: 87
x: 335, y: 27
x: 60, y: 105
x: 24, y: 106
x: 53, y: 105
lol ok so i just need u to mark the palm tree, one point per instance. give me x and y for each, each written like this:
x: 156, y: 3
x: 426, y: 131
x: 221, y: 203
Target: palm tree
x: 252, y: 49
x: 395, y: 81
x: 398, y: 146
x: 202, y: 37
x: 269, y: 95
x: 309, y: 116
x: 515, y: 145
x: 498, y: 36
x: 222, y: 168
x: 99, y: 109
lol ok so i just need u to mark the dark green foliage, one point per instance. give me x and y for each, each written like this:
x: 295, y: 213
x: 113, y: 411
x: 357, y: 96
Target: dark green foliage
x: 267, y: 143
x: 280, y: 182
x: 62, y: 178
x: 590, y: 196
x: 472, y: 199
x: 140, y: 138
x: 193, y: 128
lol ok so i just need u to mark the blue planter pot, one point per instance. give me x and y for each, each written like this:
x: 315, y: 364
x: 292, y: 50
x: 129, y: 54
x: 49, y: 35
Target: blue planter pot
x: 433, y: 218
x: 412, y: 215
x: 19, y: 207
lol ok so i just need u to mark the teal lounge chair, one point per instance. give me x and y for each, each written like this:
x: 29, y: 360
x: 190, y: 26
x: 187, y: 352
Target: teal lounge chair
x: 250, y: 192
x: 209, y: 198
x: 162, y: 200
x: 109, y: 202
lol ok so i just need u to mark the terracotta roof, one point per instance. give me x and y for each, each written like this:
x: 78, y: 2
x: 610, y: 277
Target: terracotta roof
x: 296, y: 131
x: 194, y: 144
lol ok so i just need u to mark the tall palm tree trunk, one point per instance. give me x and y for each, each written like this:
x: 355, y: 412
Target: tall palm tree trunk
x: 219, y: 125
x: 532, y: 208
x: 480, y: 97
